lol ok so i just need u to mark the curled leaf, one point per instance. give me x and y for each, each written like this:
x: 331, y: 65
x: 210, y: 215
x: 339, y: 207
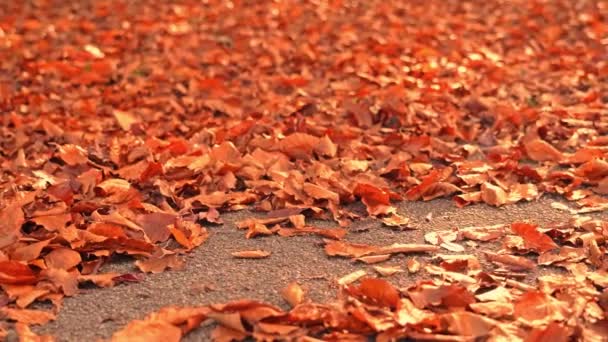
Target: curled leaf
x: 253, y: 254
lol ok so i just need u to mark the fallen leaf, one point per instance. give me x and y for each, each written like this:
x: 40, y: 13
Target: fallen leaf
x: 253, y: 254
x: 62, y: 258
x: 387, y: 271
x: 352, y: 277
x: 468, y: 324
x: 373, y: 259
x: 533, y: 239
x: 27, y: 335
x: 27, y: 316
x: 159, y: 264
x: 493, y: 195
x: 515, y: 262
x: 293, y: 294
x: 378, y: 291
x: 536, y: 308
x: 125, y: 119
x: 14, y: 272
x: 540, y: 150
x: 413, y: 265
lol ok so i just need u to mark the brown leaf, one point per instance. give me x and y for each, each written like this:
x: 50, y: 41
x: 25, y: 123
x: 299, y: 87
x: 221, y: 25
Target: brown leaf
x: 53, y: 223
x: 493, y: 195
x: 540, y: 150
x: 168, y: 324
x: 427, y: 294
x: 331, y: 233
x: 159, y: 264
x: 493, y: 309
x: 387, y: 271
x: 73, y: 154
x: 396, y: 220
x: 515, y: 262
x: 299, y: 145
x: 27, y: 335
x: 101, y: 280
x: 14, y: 272
x: 155, y: 225
x: 181, y: 237
x: 483, y: 233
x: 326, y: 147
x: 24, y: 294
x: 257, y: 229
x: 153, y: 331
x: 63, y: 280
x: 29, y: 252
x: 378, y: 291
x: 352, y: 277
x: 26, y: 316
x: 224, y: 334
x: 553, y: 332
x: 12, y: 218
x: 468, y: 324
x: 253, y: 254
x: 533, y: 239
x: 373, y: 259
x: 536, y: 308
x: 318, y: 192
x: 62, y: 258
x: 124, y: 119
x: 439, y: 189
x: 407, y: 248
x: 347, y: 249
x: 342, y: 248
x: 428, y: 181
x: 463, y: 200
x: 376, y: 200
x: 413, y: 265
x: 293, y: 294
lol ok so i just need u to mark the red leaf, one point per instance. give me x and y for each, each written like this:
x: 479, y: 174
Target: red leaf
x: 372, y: 197
x: 129, y: 278
x: 13, y: 272
x: 540, y: 150
x: 533, y: 239
x: 378, y: 291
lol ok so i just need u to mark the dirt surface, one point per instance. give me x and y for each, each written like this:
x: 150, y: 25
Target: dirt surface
x: 212, y: 275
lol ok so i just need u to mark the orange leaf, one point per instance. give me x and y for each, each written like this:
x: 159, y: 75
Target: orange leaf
x: 14, y: 272
x: 493, y: 195
x: 533, y: 239
x: 27, y: 316
x: 293, y: 294
x: 157, y: 265
x: 379, y: 291
x: 125, y: 119
x: 62, y: 258
x: 255, y: 254
x: 540, y: 150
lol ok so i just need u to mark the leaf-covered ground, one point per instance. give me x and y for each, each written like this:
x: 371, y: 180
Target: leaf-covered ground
x: 133, y: 128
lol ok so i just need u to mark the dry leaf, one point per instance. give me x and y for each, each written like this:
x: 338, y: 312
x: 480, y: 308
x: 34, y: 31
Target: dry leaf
x: 27, y: 316
x: 124, y: 119
x: 254, y: 254
x: 352, y: 277
x: 293, y: 294
x: 387, y: 271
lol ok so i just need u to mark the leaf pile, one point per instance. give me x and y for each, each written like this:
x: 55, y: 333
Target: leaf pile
x: 127, y: 127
